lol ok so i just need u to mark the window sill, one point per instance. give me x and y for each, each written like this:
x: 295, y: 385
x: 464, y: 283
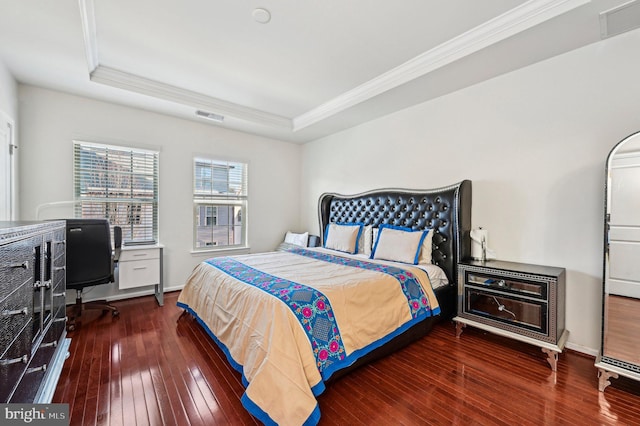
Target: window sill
x: 222, y: 251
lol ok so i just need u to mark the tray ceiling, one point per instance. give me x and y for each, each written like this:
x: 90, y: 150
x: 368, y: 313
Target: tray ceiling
x: 315, y: 68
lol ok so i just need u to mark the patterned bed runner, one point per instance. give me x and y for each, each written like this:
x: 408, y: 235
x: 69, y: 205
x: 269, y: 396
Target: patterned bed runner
x: 310, y: 306
x: 416, y: 298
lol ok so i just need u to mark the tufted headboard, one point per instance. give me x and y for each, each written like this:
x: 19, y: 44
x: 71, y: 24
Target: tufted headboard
x: 445, y: 210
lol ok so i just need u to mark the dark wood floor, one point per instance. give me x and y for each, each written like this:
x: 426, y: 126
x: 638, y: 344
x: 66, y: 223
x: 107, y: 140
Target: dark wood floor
x: 145, y: 367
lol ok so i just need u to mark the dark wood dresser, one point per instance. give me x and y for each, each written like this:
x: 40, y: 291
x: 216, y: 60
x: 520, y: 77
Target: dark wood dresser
x: 33, y: 344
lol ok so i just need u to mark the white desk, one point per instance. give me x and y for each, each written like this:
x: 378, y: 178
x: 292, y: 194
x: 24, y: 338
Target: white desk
x: 141, y: 266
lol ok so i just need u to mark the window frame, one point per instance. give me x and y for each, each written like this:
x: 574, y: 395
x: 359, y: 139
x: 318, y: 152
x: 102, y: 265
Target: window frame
x: 206, y: 197
x: 142, y: 175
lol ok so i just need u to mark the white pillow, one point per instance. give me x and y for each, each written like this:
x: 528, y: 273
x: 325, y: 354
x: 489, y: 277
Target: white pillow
x: 343, y: 237
x: 427, y: 247
x: 297, y: 239
x: 365, y: 242
x: 398, y: 244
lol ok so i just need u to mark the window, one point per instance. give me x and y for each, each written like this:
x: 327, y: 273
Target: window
x: 119, y: 184
x: 220, y: 204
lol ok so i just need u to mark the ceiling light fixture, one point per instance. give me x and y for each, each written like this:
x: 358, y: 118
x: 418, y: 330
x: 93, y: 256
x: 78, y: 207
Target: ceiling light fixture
x: 210, y: 116
x: 261, y: 15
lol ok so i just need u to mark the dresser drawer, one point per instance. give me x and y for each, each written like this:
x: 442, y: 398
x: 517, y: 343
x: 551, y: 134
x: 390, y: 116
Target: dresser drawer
x: 59, y: 299
x: 139, y: 273
x: 17, y: 264
x: 13, y: 362
x: 33, y: 375
x: 15, y: 312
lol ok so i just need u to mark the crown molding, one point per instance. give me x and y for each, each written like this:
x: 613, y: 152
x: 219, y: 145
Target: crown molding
x: 87, y: 16
x: 514, y: 21
x: 134, y: 83
x: 121, y: 79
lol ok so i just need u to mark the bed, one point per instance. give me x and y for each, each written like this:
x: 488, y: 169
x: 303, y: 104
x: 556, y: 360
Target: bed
x: 293, y: 321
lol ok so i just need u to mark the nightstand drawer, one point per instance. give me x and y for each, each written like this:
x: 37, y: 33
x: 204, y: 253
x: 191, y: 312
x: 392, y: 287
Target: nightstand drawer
x: 505, y: 284
x: 507, y: 309
x: 138, y: 273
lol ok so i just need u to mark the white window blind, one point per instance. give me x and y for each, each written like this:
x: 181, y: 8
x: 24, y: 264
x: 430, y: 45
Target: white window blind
x: 119, y: 184
x: 220, y: 203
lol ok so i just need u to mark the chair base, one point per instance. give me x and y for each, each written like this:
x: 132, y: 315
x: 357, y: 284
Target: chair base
x: 79, y: 307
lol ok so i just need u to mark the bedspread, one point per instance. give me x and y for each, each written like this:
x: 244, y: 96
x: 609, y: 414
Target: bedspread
x: 288, y: 320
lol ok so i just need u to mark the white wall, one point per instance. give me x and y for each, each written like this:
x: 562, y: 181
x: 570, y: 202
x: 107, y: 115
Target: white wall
x: 8, y: 92
x: 52, y: 120
x: 534, y: 142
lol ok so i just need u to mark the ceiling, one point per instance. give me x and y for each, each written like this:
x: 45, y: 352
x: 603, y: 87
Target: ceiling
x: 315, y: 68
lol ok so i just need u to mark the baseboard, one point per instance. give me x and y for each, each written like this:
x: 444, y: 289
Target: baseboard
x: 146, y: 292
x: 582, y: 349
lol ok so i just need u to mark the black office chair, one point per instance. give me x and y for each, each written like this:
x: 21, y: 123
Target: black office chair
x: 90, y: 262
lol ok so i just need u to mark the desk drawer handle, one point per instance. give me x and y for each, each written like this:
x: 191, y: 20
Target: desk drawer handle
x: 8, y: 313
x: 23, y: 359
x: 23, y: 265
x: 36, y: 369
x: 140, y: 254
x: 53, y: 344
x: 139, y: 267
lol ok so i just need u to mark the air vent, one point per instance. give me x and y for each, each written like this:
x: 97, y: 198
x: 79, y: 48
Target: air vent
x: 210, y: 116
x: 620, y: 19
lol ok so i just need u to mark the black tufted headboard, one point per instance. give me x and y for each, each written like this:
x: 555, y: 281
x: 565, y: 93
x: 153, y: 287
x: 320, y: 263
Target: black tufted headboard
x: 445, y: 210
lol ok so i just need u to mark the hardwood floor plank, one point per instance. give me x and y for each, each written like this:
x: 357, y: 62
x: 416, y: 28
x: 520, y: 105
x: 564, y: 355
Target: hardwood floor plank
x: 216, y: 383
x: 104, y: 402
x: 148, y: 367
x: 115, y: 417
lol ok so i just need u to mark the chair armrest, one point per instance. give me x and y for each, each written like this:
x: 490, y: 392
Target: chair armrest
x: 117, y: 241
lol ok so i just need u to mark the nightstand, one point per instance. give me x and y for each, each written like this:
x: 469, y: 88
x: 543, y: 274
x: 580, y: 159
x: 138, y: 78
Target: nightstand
x: 516, y: 300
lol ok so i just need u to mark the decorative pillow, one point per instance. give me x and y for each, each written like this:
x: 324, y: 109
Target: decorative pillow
x: 427, y: 247
x: 297, y: 239
x: 343, y: 236
x: 398, y: 244
x: 365, y: 242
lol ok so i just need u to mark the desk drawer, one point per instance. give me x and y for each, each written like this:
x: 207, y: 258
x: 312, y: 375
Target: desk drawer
x: 139, y: 273
x: 139, y: 254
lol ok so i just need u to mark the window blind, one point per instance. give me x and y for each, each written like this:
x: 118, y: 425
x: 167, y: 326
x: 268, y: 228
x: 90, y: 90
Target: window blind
x: 119, y: 184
